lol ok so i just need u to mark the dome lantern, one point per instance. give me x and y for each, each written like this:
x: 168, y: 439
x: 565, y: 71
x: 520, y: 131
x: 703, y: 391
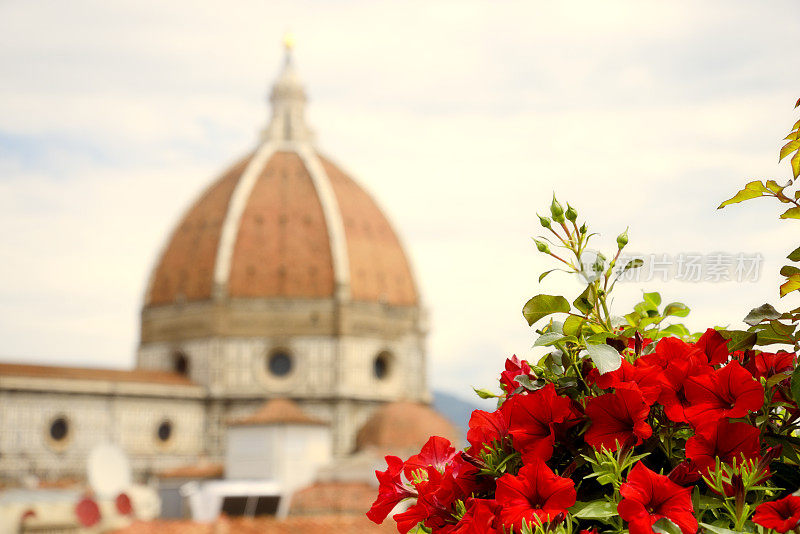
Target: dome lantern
x: 288, y: 100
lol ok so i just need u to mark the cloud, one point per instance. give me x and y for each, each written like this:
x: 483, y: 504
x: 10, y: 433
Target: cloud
x: 461, y: 118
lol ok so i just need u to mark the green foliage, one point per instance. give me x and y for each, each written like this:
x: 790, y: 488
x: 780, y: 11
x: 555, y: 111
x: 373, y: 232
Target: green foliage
x: 541, y: 306
x: 771, y: 188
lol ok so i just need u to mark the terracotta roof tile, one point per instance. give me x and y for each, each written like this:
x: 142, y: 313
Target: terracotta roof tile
x: 277, y: 411
x: 379, y: 268
x: 282, y: 248
x: 200, y: 470
x: 340, y: 524
x: 86, y: 373
x: 185, y: 269
x: 333, y: 497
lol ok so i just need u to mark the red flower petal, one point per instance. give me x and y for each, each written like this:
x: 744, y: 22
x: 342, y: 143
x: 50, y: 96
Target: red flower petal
x: 536, y: 492
x: 782, y: 515
x: 648, y: 496
x: 616, y: 418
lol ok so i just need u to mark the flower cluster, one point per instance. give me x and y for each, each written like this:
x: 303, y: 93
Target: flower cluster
x: 681, y: 435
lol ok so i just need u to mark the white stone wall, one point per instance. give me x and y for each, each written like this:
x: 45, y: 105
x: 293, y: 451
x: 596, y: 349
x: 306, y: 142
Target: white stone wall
x: 287, y: 453
x: 130, y: 422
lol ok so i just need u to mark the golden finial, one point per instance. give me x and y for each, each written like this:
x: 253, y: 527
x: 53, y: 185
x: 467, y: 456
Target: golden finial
x: 288, y: 41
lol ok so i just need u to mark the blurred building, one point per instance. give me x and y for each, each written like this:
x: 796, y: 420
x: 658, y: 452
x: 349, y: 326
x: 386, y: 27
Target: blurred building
x: 283, y: 280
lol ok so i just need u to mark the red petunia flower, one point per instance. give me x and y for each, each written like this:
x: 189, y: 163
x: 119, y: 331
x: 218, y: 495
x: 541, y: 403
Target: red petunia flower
x: 437, y: 453
x: 714, y: 346
x: 727, y: 392
x: 645, y: 378
x: 531, y: 419
x: 670, y: 350
x: 782, y: 515
x: 616, y: 418
x: 437, y: 494
x: 648, y: 496
x: 724, y: 440
x: 480, y: 518
x: 535, y: 494
x: 486, y: 428
x: 391, y: 490
x: 767, y: 364
x: 514, y: 368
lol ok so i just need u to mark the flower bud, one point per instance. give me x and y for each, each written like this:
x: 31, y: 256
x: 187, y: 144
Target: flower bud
x: 542, y: 246
x: 622, y: 239
x: 583, y: 229
x: 556, y: 211
x: 571, y: 213
x: 545, y: 221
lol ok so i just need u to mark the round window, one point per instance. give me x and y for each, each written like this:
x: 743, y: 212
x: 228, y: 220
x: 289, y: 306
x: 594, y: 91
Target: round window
x: 280, y: 363
x: 164, y: 431
x: 59, y: 429
x: 381, y: 367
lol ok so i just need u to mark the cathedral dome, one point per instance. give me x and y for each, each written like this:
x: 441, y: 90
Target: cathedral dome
x: 283, y: 222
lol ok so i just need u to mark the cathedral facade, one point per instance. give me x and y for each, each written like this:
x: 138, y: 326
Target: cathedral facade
x: 283, y: 280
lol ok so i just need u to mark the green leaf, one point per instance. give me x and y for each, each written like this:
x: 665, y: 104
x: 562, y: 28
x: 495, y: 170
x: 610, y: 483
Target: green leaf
x: 593, y: 510
x: 774, y: 332
x: 773, y: 186
x: 484, y: 393
x: 542, y: 306
x: 795, y: 384
x: 676, y: 309
x: 573, y: 325
x: 676, y: 330
x: 791, y: 213
x: 789, y: 270
x: 788, y: 148
x: 796, y: 162
x: 541, y: 276
x: 718, y: 530
x: 548, y: 339
x: 794, y: 255
x: 765, y: 312
x: 754, y: 189
x: 605, y: 357
x: 792, y: 283
x: 665, y: 526
x: 653, y: 299
x: 526, y: 382
x: 585, y: 301
x: 633, y: 264
x: 739, y: 339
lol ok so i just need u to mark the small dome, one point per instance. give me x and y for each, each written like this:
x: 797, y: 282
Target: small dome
x: 399, y: 426
x: 277, y: 412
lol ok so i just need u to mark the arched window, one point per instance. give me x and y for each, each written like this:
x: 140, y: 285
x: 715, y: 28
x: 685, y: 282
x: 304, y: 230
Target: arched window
x: 280, y: 362
x: 180, y: 363
x: 382, y: 365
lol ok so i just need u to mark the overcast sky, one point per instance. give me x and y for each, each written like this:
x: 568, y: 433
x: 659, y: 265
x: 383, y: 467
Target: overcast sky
x: 461, y: 118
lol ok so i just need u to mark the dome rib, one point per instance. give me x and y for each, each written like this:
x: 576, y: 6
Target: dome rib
x: 333, y: 219
x: 233, y: 216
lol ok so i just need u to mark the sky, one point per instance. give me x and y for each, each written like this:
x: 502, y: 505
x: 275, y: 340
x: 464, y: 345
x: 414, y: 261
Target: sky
x: 461, y: 118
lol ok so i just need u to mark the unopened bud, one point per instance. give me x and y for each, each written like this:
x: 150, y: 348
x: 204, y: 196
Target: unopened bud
x: 622, y: 239
x: 571, y: 213
x: 542, y: 246
x: 556, y: 211
x: 545, y: 221
x: 583, y: 229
